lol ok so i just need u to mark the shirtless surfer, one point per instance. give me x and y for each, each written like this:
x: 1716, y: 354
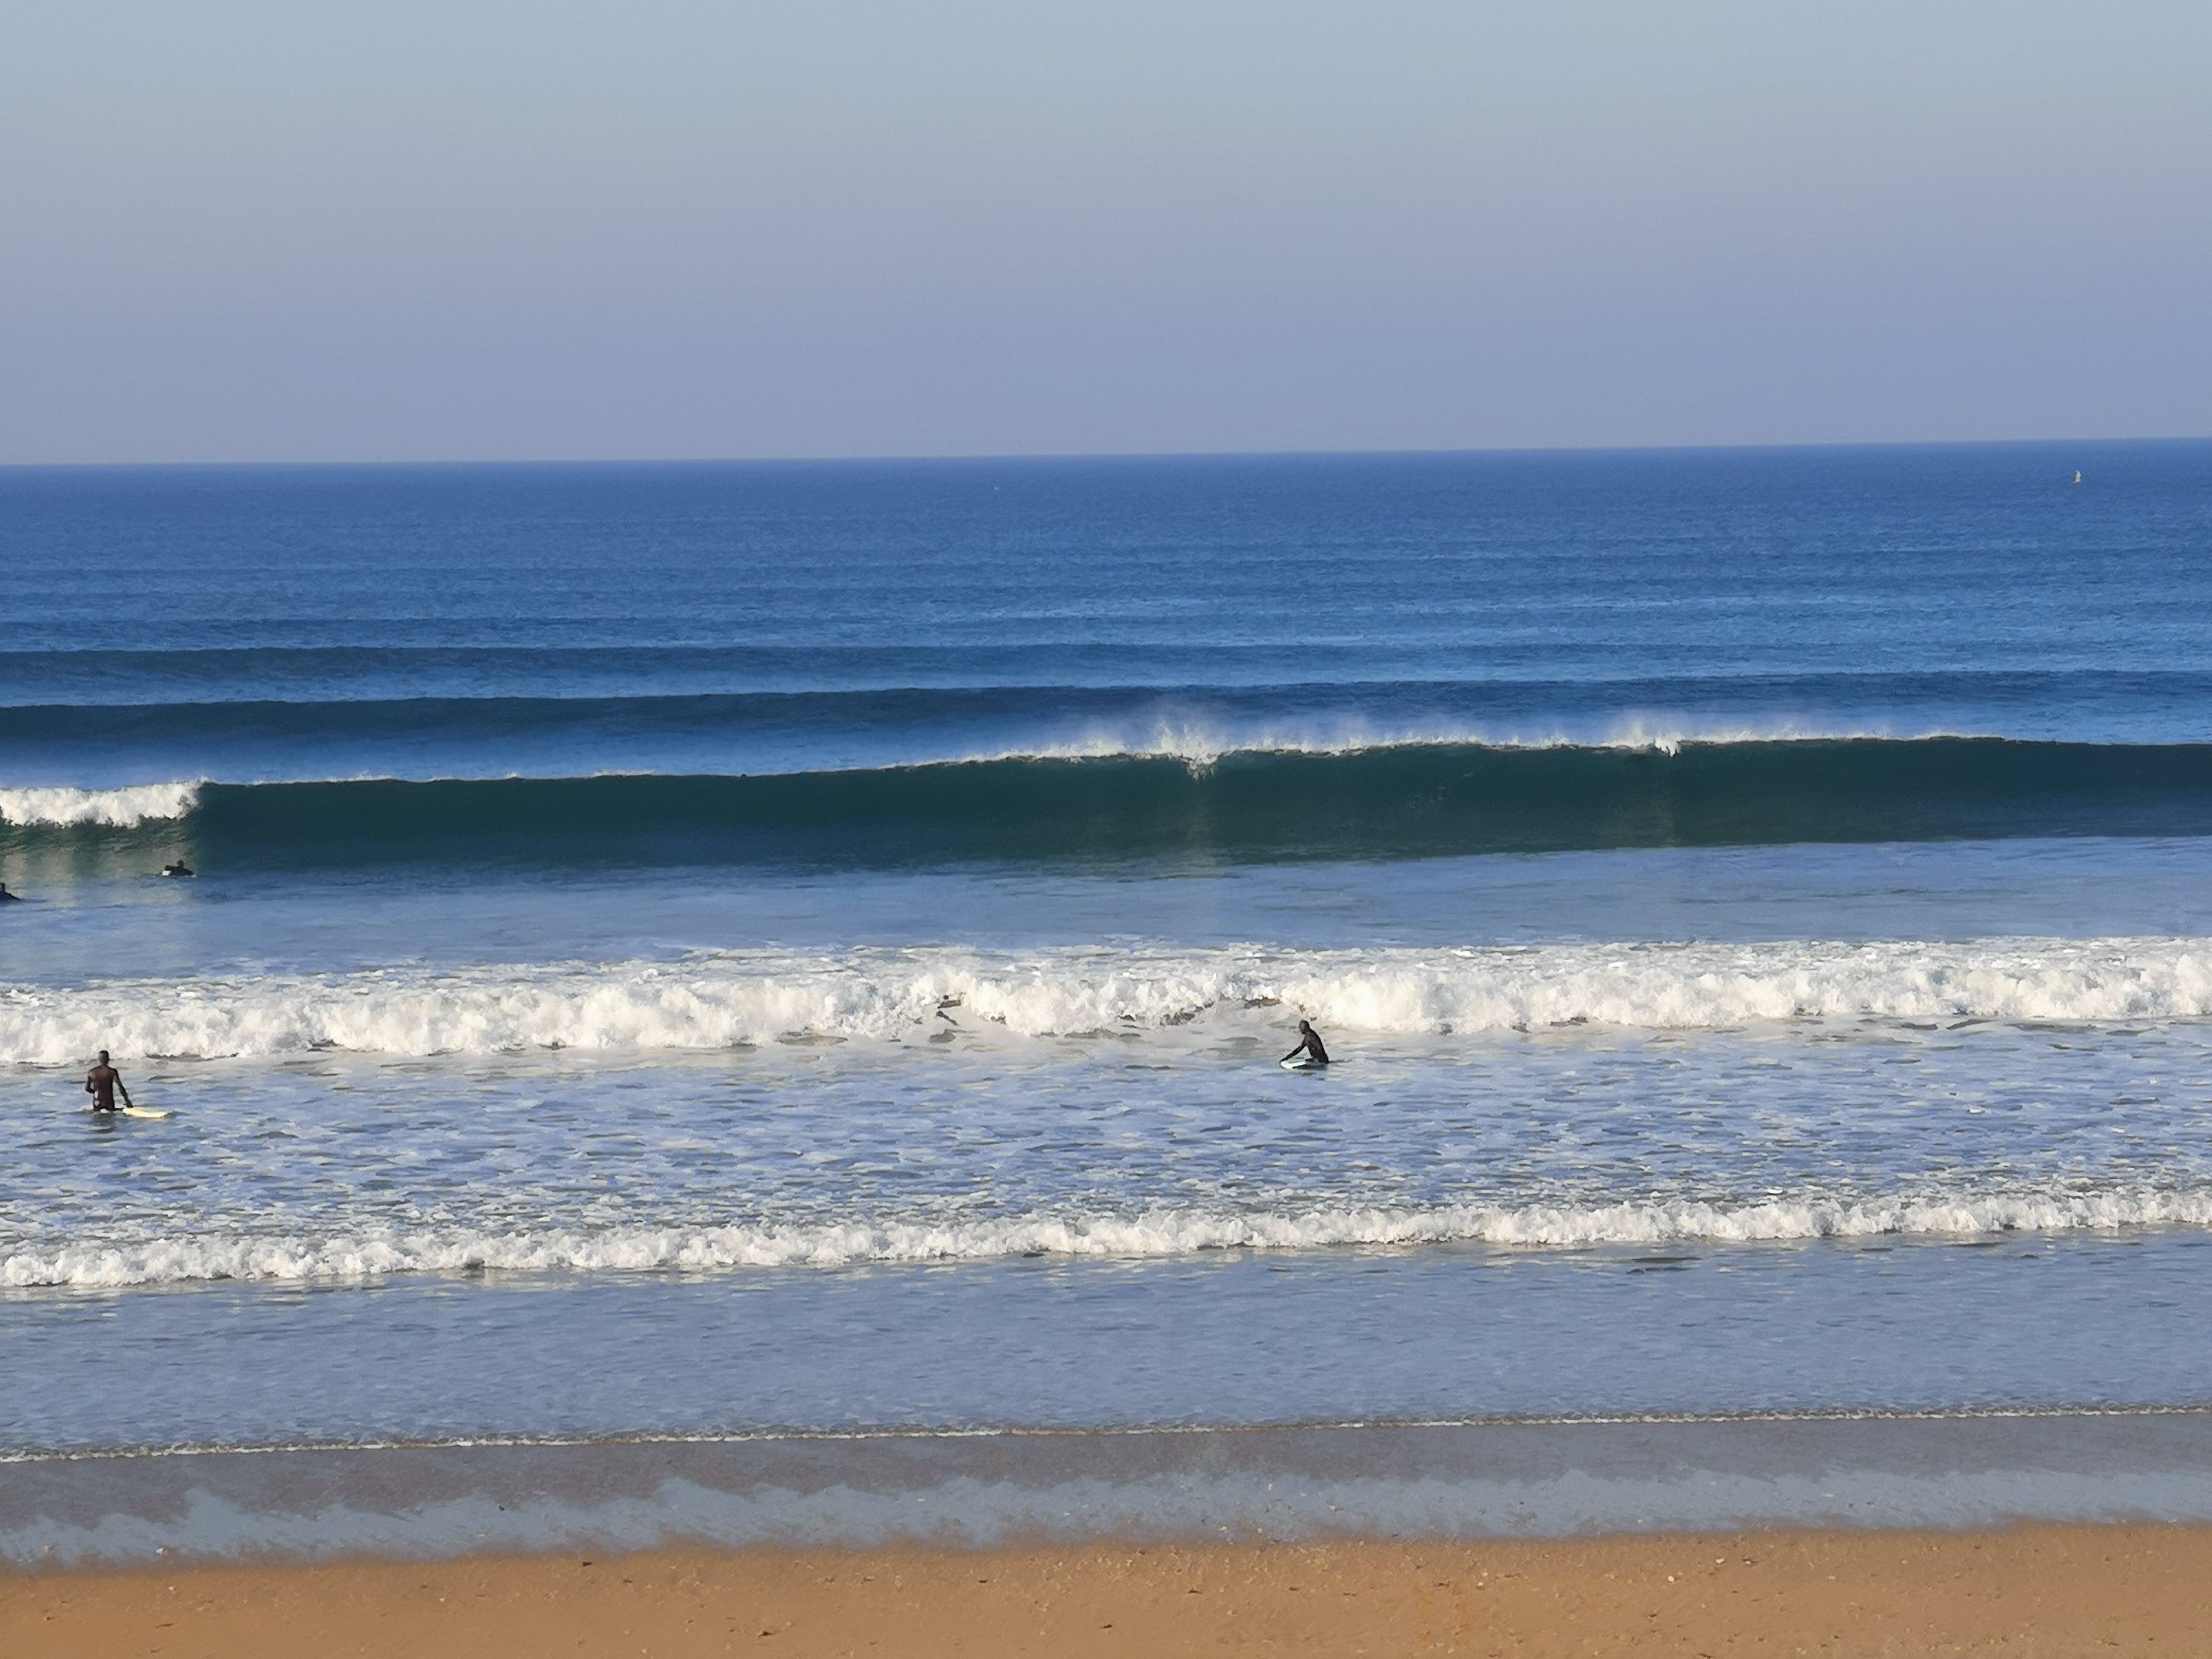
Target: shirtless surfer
x: 102, y: 1082
x: 1308, y: 1045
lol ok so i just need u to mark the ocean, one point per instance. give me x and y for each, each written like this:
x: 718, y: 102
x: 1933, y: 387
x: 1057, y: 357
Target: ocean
x: 711, y: 950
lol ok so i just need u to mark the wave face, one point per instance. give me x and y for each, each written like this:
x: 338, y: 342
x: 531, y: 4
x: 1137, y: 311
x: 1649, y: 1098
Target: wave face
x: 1402, y: 800
x: 718, y: 1000
x: 1155, y: 1234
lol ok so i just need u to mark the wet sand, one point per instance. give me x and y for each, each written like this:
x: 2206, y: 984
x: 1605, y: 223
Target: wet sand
x: 2049, y: 1591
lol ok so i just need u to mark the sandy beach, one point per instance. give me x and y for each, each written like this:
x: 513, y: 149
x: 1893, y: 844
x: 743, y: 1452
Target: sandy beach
x: 2048, y: 1591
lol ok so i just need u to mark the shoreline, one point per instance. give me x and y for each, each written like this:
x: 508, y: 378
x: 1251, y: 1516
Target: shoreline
x: 2045, y: 1591
x: 1138, y: 1487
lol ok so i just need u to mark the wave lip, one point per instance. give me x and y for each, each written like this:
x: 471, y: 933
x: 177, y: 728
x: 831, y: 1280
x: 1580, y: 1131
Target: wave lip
x: 1156, y: 1235
x: 1201, y: 746
x: 63, y: 807
x: 721, y: 999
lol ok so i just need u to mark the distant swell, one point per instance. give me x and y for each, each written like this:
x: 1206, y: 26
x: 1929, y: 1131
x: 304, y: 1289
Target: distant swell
x: 1149, y: 1234
x: 721, y: 999
x: 1406, y: 800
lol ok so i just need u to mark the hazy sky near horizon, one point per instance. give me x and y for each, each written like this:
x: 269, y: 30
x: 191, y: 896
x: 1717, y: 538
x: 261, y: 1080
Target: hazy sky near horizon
x: 233, y: 230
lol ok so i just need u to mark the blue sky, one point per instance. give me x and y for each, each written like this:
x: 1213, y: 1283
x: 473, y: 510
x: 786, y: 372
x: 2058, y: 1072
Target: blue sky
x: 237, y: 231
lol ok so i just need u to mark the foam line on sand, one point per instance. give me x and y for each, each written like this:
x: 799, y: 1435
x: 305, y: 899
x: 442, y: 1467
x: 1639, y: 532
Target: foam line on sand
x: 990, y: 1490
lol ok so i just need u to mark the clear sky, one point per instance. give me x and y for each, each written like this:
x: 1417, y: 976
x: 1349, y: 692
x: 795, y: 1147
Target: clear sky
x: 453, y: 230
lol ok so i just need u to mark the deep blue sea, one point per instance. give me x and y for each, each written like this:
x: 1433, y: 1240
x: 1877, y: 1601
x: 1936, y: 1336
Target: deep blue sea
x: 709, y: 948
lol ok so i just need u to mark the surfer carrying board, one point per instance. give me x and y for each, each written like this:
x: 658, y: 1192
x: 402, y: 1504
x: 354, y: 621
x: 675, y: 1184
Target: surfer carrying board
x: 1308, y: 1045
x: 101, y: 1082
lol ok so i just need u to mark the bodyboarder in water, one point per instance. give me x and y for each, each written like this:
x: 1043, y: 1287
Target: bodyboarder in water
x: 102, y: 1082
x: 1308, y: 1045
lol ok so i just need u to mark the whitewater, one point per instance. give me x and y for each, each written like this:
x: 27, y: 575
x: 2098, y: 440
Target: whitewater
x: 721, y: 999
x: 1153, y: 1234
x: 68, y: 807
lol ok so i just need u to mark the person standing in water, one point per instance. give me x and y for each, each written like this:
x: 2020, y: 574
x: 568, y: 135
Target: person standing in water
x: 1308, y: 1045
x: 102, y: 1082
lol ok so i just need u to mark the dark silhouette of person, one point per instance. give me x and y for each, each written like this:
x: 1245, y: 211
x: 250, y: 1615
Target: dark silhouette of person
x: 7, y: 897
x: 102, y: 1082
x: 1308, y: 1045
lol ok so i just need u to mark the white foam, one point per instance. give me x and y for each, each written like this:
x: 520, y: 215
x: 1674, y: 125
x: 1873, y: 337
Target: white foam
x: 114, y: 809
x: 722, y: 998
x: 1153, y: 1234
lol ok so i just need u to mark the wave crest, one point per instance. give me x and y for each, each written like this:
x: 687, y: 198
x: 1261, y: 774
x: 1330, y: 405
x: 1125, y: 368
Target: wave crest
x: 1201, y: 747
x: 1184, y: 795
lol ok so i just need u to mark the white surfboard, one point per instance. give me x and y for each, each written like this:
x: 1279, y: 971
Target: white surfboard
x: 154, y: 1112
x: 1301, y: 1063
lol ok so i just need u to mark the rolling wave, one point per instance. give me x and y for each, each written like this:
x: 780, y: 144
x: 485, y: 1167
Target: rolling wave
x: 1157, y: 1233
x: 724, y: 1000
x: 1299, y: 796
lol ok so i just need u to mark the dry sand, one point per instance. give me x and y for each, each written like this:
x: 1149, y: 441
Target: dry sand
x: 2041, y: 1591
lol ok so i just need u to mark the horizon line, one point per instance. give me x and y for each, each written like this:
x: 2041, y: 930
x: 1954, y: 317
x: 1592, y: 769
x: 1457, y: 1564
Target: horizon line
x: 980, y: 457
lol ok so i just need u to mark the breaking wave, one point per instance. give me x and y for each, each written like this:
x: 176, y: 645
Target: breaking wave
x: 106, y: 809
x: 1154, y: 1234
x: 721, y: 999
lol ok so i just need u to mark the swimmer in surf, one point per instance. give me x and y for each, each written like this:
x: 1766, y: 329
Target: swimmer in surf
x: 101, y: 1082
x: 179, y: 868
x: 7, y: 897
x: 1308, y: 1045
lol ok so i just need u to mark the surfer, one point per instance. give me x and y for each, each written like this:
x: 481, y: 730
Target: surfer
x: 7, y: 897
x: 179, y: 868
x: 101, y: 1082
x: 1308, y: 1045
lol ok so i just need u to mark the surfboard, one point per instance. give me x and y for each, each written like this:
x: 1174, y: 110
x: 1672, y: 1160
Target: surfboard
x: 154, y: 1112
x: 1301, y: 1063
